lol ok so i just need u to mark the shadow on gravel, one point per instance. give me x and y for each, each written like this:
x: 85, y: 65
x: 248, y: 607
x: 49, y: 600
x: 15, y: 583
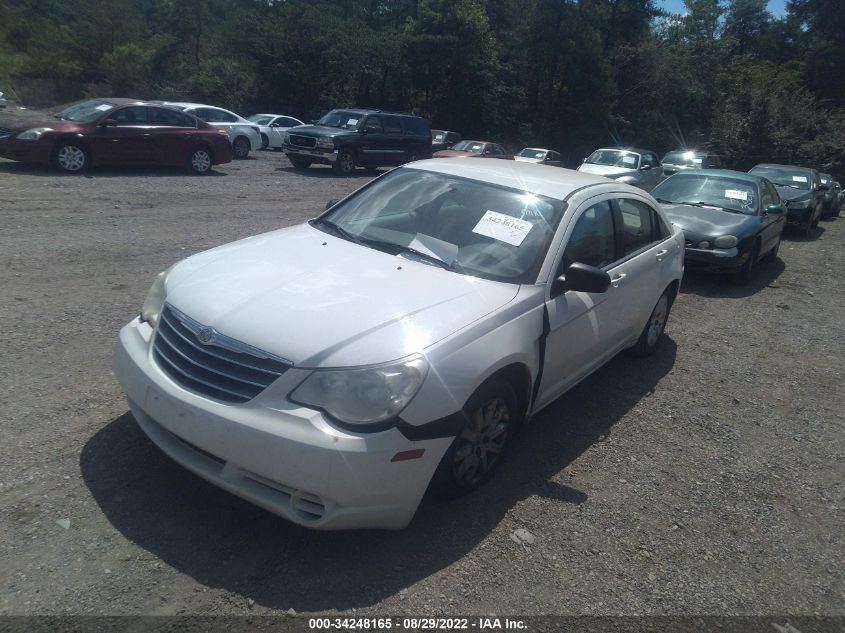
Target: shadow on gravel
x: 223, y: 542
x: 716, y: 285
x: 324, y: 171
x: 109, y: 171
x: 793, y: 235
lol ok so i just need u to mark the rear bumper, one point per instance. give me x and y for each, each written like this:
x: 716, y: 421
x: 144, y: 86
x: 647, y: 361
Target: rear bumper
x: 280, y: 456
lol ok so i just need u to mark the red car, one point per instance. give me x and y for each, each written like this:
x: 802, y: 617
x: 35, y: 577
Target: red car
x: 114, y: 132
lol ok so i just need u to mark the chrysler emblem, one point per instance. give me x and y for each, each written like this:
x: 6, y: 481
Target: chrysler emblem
x: 205, y: 335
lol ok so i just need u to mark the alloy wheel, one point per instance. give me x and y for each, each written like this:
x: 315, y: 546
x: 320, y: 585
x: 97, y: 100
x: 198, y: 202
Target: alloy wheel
x: 200, y: 161
x: 71, y: 158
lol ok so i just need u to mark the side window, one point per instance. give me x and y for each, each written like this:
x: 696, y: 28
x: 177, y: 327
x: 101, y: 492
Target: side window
x: 222, y: 116
x: 391, y: 124
x: 592, y: 239
x: 286, y: 121
x: 373, y: 124
x: 766, y: 197
x: 661, y: 231
x: 170, y: 118
x: 415, y: 125
x: 133, y: 115
x: 635, y: 228
x: 494, y: 149
x: 203, y: 114
x: 649, y: 159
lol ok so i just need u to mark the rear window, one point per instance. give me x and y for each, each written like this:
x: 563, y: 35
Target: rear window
x: 415, y: 125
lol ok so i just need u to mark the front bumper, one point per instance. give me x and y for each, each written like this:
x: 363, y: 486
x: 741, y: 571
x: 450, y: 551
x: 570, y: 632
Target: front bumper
x: 799, y: 216
x: 283, y: 457
x: 39, y: 151
x: 717, y: 259
x: 315, y: 154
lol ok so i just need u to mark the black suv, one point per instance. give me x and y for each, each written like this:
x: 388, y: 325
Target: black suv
x: 350, y: 138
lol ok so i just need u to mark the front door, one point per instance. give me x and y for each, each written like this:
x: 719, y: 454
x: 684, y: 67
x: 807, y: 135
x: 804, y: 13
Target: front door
x: 127, y: 140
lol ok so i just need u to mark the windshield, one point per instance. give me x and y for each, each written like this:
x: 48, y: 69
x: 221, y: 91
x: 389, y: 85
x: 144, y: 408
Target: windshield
x: 614, y: 158
x: 532, y: 153
x: 260, y: 120
x: 715, y: 191
x: 468, y: 146
x: 687, y: 159
x: 85, y: 112
x: 342, y: 119
x: 785, y: 177
x: 470, y: 227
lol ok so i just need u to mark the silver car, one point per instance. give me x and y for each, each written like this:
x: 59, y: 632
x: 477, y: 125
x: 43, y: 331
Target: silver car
x: 638, y: 167
x: 331, y: 372
x: 244, y: 135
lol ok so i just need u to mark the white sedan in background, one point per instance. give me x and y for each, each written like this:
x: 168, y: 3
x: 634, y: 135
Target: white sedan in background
x: 244, y: 135
x: 331, y: 372
x: 272, y: 128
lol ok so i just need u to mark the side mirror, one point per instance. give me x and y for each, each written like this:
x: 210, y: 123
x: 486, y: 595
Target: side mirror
x: 645, y: 167
x: 584, y: 160
x: 331, y: 203
x: 581, y: 278
x: 275, y: 125
x: 109, y: 123
x: 773, y: 209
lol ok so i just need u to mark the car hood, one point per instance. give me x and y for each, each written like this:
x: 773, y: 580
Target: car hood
x: 704, y: 222
x: 321, y: 301
x: 320, y: 130
x: 789, y: 194
x: 605, y: 170
x: 20, y: 123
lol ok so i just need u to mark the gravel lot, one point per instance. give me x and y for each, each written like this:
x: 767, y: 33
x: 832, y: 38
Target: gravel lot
x: 707, y: 479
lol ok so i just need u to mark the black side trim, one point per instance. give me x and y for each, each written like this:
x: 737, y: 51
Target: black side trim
x: 449, y: 426
x: 541, y: 356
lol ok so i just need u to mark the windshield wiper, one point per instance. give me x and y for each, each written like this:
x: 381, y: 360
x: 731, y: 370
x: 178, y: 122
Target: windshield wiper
x: 664, y: 201
x: 712, y: 205
x: 787, y: 184
x: 338, y: 230
x: 434, y: 259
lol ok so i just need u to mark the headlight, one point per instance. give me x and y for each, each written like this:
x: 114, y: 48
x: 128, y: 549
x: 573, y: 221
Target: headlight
x: 325, y: 141
x: 365, y: 396
x: 34, y: 134
x: 151, y: 310
x: 704, y: 244
x: 725, y: 241
x: 798, y: 204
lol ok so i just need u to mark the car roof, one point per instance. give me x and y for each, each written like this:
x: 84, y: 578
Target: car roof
x: 723, y: 173
x: 792, y: 167
x: 693, y: 150
x: 553, y: 182
x: 635, y: 150
x: 536, y: 149
x: 118, y: 101
x: 373, y: 111
x: 287, y: 116
x: 185, y: 104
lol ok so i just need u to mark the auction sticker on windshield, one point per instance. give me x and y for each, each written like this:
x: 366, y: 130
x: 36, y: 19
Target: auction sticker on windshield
x: 352, y: 122
x: 629, y: 160
x: 104, y: 107
x: 799, y: 178
x: 503, y: 228
x: 733, y: 194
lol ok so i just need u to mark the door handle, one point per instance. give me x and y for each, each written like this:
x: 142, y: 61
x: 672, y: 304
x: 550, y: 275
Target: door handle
x: 614, y: 281
x: 660, y: 254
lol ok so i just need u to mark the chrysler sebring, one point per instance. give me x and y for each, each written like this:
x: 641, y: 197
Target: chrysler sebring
x: 332, y: 372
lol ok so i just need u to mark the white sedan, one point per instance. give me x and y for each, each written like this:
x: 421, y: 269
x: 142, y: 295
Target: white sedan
x: 332, y: 371
x: 273, y: 128
x: 244, y: 135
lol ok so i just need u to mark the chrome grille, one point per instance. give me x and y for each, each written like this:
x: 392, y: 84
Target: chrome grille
x: 222, y: 368
x: 302, y: 141
x: 6, y: 132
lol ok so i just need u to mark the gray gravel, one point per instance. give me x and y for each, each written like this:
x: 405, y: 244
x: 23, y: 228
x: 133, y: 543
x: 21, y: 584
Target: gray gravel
x: 707, y: 479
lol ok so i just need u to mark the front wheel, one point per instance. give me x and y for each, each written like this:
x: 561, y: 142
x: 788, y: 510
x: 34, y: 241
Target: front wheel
x: 71, y: 158
x: 241, y: 147
x: 345, y: 163
x: 200, y: 161
x: 655, y: 326
x: 492, y: 417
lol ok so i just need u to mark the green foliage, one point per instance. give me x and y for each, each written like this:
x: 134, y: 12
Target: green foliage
x: 567, y: 74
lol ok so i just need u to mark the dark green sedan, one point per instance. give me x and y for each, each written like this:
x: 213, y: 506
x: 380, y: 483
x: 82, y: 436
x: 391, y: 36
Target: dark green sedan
x: 730, y: 219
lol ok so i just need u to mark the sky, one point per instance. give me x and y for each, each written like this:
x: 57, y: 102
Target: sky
x: 776, y: 7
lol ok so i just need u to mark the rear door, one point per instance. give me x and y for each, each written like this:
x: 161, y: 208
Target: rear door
x: 393, y: 139
x: 171, y: 135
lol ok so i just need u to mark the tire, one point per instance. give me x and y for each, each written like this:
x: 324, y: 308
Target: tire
x: 492, y: 419
x: 299, y: 163
x: 345, y: 163
x: 652, y: 333
x: 71, y: 158
x: 200, y: 161
x: 742, y: 277
x: 241, y: 147
x: 265, y: 141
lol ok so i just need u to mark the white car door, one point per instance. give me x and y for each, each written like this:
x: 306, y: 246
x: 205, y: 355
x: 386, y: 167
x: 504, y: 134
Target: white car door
x: 585, y: 329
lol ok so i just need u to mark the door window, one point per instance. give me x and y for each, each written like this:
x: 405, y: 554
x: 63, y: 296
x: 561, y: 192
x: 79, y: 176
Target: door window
x: 592, y: 240
x: 133, y: 115
x: 220, y: 116
x: 635, y: 227
x: 170, y: 118
x: 373, y: 125
x: 391, y: 124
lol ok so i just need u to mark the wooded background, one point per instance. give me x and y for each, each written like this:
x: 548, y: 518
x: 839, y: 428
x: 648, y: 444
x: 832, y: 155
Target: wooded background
x: 564, y: 74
